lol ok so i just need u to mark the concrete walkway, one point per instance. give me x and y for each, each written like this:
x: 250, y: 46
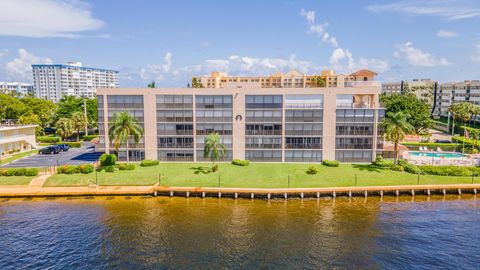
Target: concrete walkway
x: 35, y: 190
x: 39, y: 181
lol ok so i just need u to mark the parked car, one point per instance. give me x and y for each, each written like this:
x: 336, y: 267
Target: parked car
x: 63, y: 147
x: 53, y: 149
x: 49, y: 130
x: 443, y: 141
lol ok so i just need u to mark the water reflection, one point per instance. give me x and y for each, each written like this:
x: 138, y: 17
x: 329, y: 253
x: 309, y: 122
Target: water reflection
x: 145, y: 232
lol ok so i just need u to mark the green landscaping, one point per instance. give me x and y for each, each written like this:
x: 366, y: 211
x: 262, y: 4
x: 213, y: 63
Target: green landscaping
x: 17, y: 156
x: 15, y: 180
x: 256, y: 175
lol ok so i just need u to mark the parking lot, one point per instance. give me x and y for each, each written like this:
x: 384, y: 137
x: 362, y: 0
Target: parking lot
x: 74, y: 156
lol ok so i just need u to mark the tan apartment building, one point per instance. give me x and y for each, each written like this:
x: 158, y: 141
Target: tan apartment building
x: 256, y: 123
x: 456, y: 92
x: 291, y: 79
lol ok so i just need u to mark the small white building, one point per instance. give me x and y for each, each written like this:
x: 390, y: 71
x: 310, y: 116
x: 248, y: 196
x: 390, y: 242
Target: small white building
x: 23, y: 89
x: 16, y: 139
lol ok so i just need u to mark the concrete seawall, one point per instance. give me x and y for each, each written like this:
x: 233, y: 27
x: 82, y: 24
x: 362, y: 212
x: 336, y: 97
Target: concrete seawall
x: 27, y: 191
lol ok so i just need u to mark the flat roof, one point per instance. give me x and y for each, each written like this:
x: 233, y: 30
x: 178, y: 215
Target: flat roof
x: 72, y: 66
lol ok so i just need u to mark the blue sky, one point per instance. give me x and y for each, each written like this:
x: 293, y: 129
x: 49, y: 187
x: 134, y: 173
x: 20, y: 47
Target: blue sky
x: 169, y: 41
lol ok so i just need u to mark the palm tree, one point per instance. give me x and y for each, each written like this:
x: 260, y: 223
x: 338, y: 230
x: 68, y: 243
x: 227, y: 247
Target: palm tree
x: 319, y: 81
x: 396, y: 127
x: 64, y: 127
x: 124, y: 125
x: 79, y: 122
x: 151, y: 85
x: 213, y: 149
x: 460, y: 111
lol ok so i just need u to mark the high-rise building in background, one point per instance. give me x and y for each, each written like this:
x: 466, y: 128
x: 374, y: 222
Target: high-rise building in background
x: 52, y: 82
x: 291, y: 79
x: 23, y: 89
x: 456, y: 92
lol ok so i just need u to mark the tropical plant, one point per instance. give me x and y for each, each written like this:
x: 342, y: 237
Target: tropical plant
x: 396, y: 127
x: 79, y: 122
x: 417, y: 109
x: 196, y: 83
x: 151, y: 85
x: 461, y: 112
x: 213, y: 149
x: 64, y: 128
x: 123, y: 126
x: 319, y: 81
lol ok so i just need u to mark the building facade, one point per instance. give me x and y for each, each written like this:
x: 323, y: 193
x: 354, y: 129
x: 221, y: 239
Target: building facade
x: 16, y: 138
x: 291, y: 79
x: 52, y: 82
x: 456, y: 92
x: 255, y: 123
x: 23, y: 89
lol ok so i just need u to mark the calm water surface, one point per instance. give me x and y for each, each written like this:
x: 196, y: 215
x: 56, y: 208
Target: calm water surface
x: 158, y: 233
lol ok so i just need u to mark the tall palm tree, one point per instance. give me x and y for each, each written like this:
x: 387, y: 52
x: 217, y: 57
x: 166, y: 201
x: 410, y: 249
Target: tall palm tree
x: 124, y: 125
x: 396, y: 127
x: 64, y: 127
x: 79, y: 122
x: 213, y: 148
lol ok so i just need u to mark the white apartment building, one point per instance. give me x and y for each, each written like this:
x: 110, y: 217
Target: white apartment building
x: 456, y: 92
x: 16, y: 138
x: 23, y: 89
x: 52, y: 82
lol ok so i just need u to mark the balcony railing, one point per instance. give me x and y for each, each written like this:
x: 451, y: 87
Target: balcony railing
x: 363, y: 84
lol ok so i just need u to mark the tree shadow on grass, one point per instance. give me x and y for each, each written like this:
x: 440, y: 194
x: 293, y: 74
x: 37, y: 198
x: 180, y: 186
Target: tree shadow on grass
x: 201, y: 170
x: 367, y: 167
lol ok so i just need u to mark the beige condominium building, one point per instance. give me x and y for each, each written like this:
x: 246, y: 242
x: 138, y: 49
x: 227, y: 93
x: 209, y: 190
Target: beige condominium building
x: 291, y: 79
x: 255, y: 123
x: 455, y: 92
x: 16, y: 138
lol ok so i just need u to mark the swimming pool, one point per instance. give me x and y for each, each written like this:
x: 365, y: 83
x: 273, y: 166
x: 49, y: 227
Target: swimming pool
x: 437, y: 154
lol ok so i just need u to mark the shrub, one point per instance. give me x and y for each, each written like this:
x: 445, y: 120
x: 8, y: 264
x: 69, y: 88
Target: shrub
x: 19, y: 171
x: 125, y: 166
x: 449, y: 170
x: 149, y: 162
x: 89, y: 137
x: 72, y: 144
x: 380, y: 162
x: 240, y: 162
x: 434, y: 146
x: 71, y: 169
x: 9, y: 172
x: 31, y: 172
x: 85, y: 168
x: 398, y: 168
x: 331, y: 163
x: 312, y: 170
x: 110, y: 169
x: 48, y: 139
x: 215, y: 168
x: 107, y: 160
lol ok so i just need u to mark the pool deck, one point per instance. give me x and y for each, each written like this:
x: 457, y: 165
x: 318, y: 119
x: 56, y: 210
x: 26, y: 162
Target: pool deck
x: 36, y: 191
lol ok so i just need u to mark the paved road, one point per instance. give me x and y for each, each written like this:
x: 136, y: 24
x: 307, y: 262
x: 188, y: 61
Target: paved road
x: 74, y: 156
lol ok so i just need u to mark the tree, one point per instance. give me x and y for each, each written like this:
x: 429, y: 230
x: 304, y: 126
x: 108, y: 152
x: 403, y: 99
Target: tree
x: 461, y: 112
x: 79, y: 121
x: 31, y: 119
x: 123, y: 126
x: 10, y: 107
x: 396, y: 127
x: 319, y: 81
x: 418, y: 110
x: 64, y: 127
x: 43, y: 109
x: 70, y: 104
x: 151, y: 85
x: 474, y: 111
x: 213, y: 148
x: 196, y: 83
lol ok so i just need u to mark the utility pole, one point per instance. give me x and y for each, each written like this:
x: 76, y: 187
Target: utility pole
x: 85, y: 113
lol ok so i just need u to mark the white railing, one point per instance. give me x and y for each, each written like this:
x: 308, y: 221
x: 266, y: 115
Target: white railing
x: 363, y: 84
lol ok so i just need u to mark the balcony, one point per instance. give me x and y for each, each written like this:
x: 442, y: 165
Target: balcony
x: 363, y: 84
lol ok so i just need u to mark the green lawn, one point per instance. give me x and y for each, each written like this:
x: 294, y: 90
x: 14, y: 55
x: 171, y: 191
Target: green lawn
x: 17, y: 156
x: 15, y: 180
x: 256, y: 175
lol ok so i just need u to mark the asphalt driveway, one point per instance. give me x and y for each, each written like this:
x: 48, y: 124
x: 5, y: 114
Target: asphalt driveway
x: 74, y: 156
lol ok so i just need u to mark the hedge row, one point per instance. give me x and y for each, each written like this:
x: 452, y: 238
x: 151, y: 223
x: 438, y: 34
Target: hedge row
x: 71, y: 169
x: 126, y: 166
x: 19, y: 172
x: 433, y: 146
x: 330, y: 163
x: 89, y: 137
x: 72, y: 144
x: 149, y: 162
x: 240, y: 162
x: 48, y: 139
x: 439, y: 170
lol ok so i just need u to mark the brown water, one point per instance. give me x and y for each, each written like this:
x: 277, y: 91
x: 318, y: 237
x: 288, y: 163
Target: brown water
x: 162, y: 232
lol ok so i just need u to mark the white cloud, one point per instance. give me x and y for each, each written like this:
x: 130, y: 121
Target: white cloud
x: 157, y: 71
x: 46, y: 18
x: 446, y: 34
x: 476, y: 55
x: 318, y: 29
x: 3, y: 53
x: 342, y: 60
x: 20, y: 68
x: 447, y: 9
x: 418, y: 58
